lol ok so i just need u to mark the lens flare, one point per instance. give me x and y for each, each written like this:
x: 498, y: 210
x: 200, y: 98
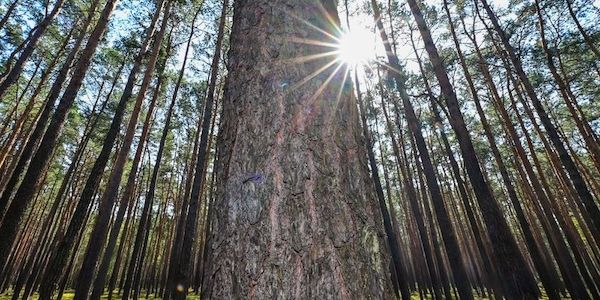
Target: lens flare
x: 356, y: 47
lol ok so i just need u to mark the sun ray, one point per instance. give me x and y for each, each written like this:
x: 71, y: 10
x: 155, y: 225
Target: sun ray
x: 332, y: 20
x: 342, y: 85
x: 313, y: 26
x: 312, y: 42
x: 307, y: 58
x: 389, y: 67
x: 315, y: 73
x: 355, y: 47
x: 322, y: 87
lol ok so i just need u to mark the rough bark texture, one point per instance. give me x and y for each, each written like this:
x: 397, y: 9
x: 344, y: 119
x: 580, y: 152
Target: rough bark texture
x: 295, y: 214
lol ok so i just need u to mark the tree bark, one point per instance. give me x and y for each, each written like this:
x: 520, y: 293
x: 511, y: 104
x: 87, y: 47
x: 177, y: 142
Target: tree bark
x: 295, y: 207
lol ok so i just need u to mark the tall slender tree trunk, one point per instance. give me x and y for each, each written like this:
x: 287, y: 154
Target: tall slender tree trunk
x: 397, y: 274
x: 13, y: 74
x: 101, y: 226
x: 478, y: 234
x: 547, y: 275
x: 182, y: 216
x: 518, y: 280
x: 44, y: 241
x: 8, y: 13
x: 557, y: 245
x: 549, y: 205
x: 128, y: 194
x: 137, y: 257
x: 292, y: 164
x: 59, y: 259
x: 208, y: 203
x: 40, y: 161
x: 182, y: 274
x: 31, y: 143
x: 133, y: 207
x: 586, y: 37
x: 16, y: 130
x: 565, y: 91
x: 574, y: 174
x: 442, y: 215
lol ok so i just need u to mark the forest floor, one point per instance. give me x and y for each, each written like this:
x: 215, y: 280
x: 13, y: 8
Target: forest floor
x: 70, y: 295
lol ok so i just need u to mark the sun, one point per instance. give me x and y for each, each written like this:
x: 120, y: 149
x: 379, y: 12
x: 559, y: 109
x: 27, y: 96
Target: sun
x: 356, y: 47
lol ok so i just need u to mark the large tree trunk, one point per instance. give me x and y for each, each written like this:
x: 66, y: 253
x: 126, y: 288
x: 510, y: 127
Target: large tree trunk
x: 295, y: 206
